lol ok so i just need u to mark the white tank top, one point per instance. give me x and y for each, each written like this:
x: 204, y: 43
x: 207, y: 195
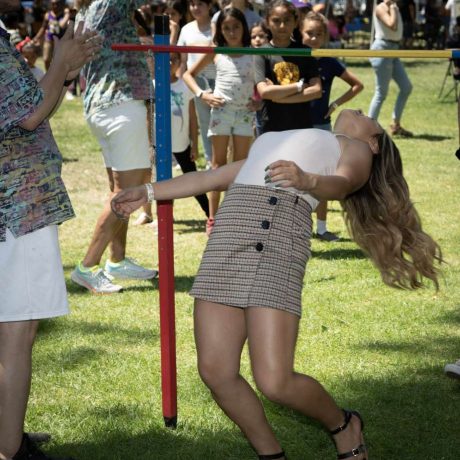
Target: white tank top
x: 382, y: 32
x: 313, y: 150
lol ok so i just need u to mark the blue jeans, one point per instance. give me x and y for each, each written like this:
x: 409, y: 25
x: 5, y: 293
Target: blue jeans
x: 386, y: 69
x: 203, y: 112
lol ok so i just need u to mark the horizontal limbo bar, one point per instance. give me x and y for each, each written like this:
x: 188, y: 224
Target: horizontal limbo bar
x: 324, y: 52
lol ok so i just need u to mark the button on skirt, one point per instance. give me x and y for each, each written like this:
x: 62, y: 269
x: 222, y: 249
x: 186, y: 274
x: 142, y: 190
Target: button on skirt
x: 257, y: 251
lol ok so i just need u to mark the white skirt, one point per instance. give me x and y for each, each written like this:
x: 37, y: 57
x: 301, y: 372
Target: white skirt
x: 32, y: 282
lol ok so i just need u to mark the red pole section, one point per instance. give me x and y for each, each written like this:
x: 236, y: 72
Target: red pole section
x: 164, y: 48
x: 167, y: 316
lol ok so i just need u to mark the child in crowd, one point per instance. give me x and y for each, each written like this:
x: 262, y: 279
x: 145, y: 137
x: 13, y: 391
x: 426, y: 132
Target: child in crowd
x: 30, y: 52
x: 315, y: 35
x: 285, y: 83
x: 176, y: 10
x: 259, y: 37
x: 259, y: 34
x: 184, y: 126
x: 198, y: 33
x: 243, y: 5
x: 231, y: 101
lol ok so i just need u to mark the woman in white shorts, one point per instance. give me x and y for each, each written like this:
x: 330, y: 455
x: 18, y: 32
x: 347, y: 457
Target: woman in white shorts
x: 117, y: 87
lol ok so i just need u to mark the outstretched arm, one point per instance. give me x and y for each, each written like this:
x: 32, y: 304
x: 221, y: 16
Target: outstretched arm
x: 190, y: 184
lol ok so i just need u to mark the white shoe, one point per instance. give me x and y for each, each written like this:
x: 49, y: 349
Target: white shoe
x: 95, y: 280
x: 453, y: 370
x: 129, y: 269
x: 69, y: 96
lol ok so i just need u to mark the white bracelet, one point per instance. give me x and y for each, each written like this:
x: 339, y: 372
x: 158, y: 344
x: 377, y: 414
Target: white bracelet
x: 300, y: 85
x: 150, y: 192
x: 334, y: 105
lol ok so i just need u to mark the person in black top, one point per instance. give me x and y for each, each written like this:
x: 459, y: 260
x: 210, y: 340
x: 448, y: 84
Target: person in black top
x: 285, y: 83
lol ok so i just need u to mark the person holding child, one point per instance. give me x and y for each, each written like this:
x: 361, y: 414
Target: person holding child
x: 249, y: 283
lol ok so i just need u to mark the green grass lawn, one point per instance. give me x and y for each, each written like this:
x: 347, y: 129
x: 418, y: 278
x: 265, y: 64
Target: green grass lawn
x: 96, y: 384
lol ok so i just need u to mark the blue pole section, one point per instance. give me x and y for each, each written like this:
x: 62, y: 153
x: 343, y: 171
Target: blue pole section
x: 165, y: 227
x: 162, y: 105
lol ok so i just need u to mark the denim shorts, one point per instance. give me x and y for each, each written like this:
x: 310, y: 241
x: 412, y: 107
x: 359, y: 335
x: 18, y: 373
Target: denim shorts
x: 226, y: 121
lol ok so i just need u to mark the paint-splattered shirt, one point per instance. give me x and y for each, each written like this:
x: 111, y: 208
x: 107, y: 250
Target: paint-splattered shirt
x: 114, y: 77
x: 32, y: 194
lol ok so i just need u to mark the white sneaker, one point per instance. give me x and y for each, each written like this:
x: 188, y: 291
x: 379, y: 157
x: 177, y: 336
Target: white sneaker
x: 453, y: 370
x: 129, y: 269
x: 95, y: 280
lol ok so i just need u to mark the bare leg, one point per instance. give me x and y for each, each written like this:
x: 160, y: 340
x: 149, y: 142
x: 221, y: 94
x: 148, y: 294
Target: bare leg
x: 16, y: 342
x: 321, y: 210
x: 272, y: 336
x: 220, y: 333
x: 219, y: 158
x: 109, y: 229
x: 241, y: 145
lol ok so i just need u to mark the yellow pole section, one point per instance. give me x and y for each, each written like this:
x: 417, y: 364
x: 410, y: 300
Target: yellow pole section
x: 416, y: 54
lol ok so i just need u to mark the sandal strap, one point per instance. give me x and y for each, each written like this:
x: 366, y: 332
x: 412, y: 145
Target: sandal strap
x: 344, y: 425
x: 361, y: 449
x: 272, y: 456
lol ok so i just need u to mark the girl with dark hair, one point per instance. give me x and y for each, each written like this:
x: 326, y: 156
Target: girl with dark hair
x: 198, y: 33
x: 232, y: 108
x: 286, y: 84
x: 249, y: 284
x: 177, y: 12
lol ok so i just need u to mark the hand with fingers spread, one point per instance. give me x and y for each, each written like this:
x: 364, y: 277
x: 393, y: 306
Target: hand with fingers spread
x: 76, y: 48
x: 287, y: 174
x: 127, y: 201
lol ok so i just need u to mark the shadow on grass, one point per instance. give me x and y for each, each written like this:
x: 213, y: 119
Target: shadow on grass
x: 338, y: 254
x: 451, y: 317
x: 418, y: 414
x: 160, y: 444
x: 191, y: 225
x: 181, y: 284
x: 431, y: 137
x: 73, y: 326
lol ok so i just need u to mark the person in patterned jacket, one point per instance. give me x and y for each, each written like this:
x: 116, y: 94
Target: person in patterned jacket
x: 33, y: 201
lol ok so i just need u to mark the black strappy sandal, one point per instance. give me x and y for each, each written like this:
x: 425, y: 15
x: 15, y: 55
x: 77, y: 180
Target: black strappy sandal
x: 361, y: 449
x: 273, y: 456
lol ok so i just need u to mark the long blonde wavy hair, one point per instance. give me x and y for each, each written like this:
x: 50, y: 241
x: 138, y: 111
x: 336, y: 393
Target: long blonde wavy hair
x: 382, y: 219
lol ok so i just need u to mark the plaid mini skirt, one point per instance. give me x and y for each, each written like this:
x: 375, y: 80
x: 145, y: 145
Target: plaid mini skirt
x: 257, y: 251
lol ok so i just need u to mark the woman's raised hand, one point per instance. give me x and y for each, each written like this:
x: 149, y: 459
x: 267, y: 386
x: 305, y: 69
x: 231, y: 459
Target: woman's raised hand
x: 76, y: 48
x: 128, y: 200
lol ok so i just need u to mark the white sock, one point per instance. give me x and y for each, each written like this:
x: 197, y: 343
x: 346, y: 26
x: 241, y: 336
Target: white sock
x: 320, y: 226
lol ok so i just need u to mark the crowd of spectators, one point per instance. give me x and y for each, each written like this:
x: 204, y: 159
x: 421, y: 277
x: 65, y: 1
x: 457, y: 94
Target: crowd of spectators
x: 427, y: 23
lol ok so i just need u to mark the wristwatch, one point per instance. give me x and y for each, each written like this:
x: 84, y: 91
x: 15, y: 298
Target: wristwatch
x: 199, y: 93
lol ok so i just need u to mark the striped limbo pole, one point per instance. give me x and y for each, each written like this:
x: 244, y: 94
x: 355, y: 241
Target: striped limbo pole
x: 165, y: 228
x: 323, y: 52
x: 164, y: 171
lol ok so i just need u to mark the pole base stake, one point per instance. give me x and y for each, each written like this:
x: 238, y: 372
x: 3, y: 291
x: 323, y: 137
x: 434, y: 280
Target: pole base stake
x: 171, y: 422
